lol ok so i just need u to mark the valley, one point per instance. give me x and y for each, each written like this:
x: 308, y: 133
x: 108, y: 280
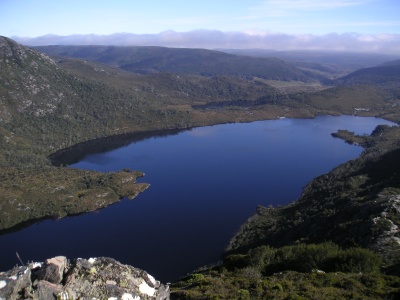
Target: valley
x: 75, y: 94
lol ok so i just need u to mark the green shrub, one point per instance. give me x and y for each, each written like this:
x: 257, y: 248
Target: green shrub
x: 261, y: 256
x: 354, y: 260
x: 243, y: 295
x: 278, y: 287
x: 196, y: 279
x: 301, y: 258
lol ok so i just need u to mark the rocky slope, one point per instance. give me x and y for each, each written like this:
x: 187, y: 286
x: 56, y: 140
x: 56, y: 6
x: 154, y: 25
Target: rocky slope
x: 94, y: 278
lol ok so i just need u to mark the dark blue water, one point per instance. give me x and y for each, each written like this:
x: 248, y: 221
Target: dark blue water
x: 204, y: 184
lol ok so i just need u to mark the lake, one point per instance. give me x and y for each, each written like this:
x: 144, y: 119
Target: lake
x: 205, y: 182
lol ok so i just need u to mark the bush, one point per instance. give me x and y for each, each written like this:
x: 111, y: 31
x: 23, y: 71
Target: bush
x: 310, y: 257
x: 196, y: 279
x: 301, y: 258
x: 243, y: 295
x: 278, y: 287
x: 261, y: 256
x: 304, y: 258
x: 354, y: 260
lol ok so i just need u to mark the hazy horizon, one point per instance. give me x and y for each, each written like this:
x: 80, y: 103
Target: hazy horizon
x: 211, y: 39
x: 344, y: 25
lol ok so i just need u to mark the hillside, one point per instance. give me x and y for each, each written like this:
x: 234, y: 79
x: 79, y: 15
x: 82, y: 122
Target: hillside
x: 381, y: 75
x: 47, y: 106
x: 44, y: 109
x: 328, y: 65
x: 363, y: 100
x: 391, y: 63
x: 35, y: 93
x: 167, y: 88
x: 386, y: 75
x: 203, y: 62
x: 350, y: 60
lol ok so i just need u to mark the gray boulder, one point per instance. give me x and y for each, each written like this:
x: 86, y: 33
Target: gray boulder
x: 95, y: 278
x: 53, y: 269
x: 15, y: 283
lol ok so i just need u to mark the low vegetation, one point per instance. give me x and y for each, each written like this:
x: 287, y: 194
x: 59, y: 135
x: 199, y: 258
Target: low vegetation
x: 314, y: 271
x: 32, y: 194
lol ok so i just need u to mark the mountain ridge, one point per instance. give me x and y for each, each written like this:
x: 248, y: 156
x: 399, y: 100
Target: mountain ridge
x: 149, y: 59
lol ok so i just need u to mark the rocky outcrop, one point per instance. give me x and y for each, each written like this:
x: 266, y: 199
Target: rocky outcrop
x: 94, y: 278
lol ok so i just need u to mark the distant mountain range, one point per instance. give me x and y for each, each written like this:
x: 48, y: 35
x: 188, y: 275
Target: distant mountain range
x: 329, y: 64
x: 295, y: 66
x: 214, y: 39
x: 203, y: 62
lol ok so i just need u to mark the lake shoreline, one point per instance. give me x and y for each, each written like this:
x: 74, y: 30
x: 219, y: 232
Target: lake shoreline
x: 102, y: 144
x: 166, y: 207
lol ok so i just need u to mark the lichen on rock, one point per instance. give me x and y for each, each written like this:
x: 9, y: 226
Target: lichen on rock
x: 95, y: 278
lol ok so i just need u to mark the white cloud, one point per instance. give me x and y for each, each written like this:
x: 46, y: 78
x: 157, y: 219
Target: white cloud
x: 212, y: 39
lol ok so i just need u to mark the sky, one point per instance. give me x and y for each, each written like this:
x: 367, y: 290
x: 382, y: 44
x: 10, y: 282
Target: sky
x: 373, y: 20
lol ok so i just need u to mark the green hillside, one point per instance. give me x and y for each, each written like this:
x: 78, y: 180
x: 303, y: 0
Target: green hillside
x: 167, y: 88
x: 203, y: 62
x: 44, y: 109
x: 386, y: 76
x: 47, y: 106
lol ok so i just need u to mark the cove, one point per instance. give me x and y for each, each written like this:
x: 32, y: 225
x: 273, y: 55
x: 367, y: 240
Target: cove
x: 205, y: 182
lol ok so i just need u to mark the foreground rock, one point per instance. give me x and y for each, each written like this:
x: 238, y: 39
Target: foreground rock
x: 95, y: 278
